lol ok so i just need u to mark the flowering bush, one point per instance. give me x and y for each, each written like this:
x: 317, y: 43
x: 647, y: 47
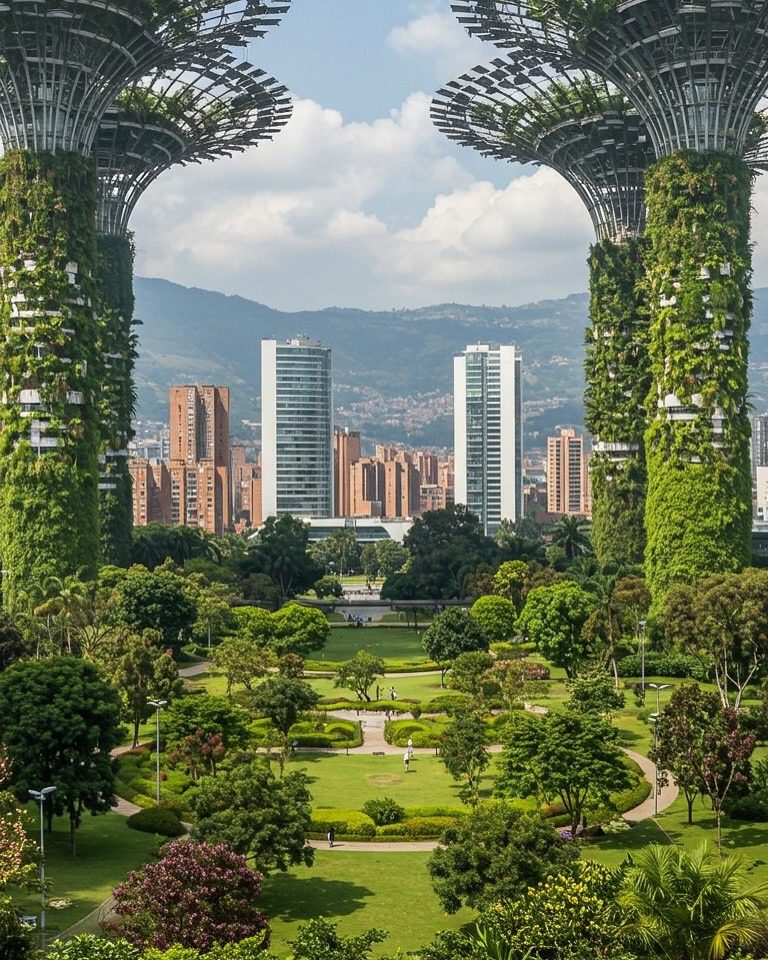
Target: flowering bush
x: 196, y: 895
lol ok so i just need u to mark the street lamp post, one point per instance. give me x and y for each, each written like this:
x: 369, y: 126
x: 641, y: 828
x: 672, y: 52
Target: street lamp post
x: 654, y: 718
x: 40, y: 796
x: 642, y: 658
x: 158, y: 705
x: 658, y: 687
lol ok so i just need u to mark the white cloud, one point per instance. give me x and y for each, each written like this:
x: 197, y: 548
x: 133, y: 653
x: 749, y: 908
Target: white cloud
x: 307, y: 221
x: 439, y: 36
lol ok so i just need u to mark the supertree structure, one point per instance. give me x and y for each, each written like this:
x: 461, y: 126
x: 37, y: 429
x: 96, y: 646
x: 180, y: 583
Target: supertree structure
x: 586, y: 130
x: 64, y: 64
x: 695, y: 72
x: 211, y: 107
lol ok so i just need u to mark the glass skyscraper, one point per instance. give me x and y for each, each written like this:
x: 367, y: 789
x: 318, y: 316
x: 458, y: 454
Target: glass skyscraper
x: 488, y: 433
x: 296, y: 428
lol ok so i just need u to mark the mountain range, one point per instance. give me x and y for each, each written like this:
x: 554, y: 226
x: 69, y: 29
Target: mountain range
x: 393, y: 371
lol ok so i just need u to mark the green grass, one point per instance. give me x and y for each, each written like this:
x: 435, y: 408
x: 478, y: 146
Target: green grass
x: 750, y: 840
x: 359, y: 891
x: 389, y: 643
x: 414, y: 687
x: 106, y: 851
x: 337, y: 780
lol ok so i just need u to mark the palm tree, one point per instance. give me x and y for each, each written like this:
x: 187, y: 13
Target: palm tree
x: 690, y: 906
x: 570, y: 534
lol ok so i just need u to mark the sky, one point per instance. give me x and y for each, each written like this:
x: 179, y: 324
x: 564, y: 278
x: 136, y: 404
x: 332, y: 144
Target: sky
x: 360, y: 201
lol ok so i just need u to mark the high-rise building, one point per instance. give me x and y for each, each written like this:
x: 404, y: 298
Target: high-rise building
x: 568, y: 489
x: 759, y: 443
x: 347, y: 449
x: 296, y: 428
x: 246, y: 489
x: 488, y: 433
x: 199, y: 463
x: 151, y: 484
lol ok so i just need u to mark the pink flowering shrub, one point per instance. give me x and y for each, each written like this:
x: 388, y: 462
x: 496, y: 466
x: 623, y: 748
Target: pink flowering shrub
x: 196, y: 895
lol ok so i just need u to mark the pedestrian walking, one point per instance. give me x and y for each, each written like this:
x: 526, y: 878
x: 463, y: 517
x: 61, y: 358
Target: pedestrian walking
x: 331, y: 836
x: 410, y: 748
x: 392, y: 694
x: 406, y: 760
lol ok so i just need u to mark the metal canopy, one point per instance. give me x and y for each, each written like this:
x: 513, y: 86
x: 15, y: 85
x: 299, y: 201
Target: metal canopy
x: 695, y: 71
x: 65, y: 61
x: 210, y: 107
x: 572, y: 121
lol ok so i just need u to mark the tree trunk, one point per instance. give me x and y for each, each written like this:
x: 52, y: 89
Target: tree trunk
x: 689, y: 800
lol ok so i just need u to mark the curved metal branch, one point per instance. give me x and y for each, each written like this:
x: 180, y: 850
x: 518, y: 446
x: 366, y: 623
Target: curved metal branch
x: 210, y: 107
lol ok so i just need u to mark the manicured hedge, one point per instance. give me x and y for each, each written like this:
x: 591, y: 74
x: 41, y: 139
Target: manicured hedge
x: 350, y: 823
x: 414, y: 828
x: 161, y: 820
x: 663, y: 664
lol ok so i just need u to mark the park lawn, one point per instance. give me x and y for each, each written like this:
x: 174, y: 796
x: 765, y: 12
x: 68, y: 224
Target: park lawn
x: 391, y: 891
x: 390, y: 643
x: 417, y: 686
x: 750, y: 840
x: 107, y: 850
x: 343, y: 781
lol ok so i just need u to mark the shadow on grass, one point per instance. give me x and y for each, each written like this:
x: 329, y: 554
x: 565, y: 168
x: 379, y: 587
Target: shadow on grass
x: 629, y: 736
x: 302, y: 898
x: 635, y: 838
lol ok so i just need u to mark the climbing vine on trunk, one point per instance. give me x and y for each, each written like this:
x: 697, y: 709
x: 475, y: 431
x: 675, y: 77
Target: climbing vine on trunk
x: 698, y: 272
x: 618, y: 377
x: 115, y: 282
x: 50, y: 365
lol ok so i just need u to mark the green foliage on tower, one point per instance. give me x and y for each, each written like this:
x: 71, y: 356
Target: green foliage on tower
x: 118, y: 396
x: 618, y: 380
x: 49, y: 344
x: 698, y: 270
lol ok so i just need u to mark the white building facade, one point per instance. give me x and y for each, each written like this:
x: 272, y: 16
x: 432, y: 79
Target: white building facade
x: 488, y: 433
x: 296, y: 428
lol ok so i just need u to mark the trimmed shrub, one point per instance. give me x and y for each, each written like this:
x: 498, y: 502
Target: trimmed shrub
x: 383, y: 810
x: 446, y: 703
x: 160, y: 820
x: 417, y: 827
x: 350, y: 823
x: 664, y: 664
x: 437, y: 811
x: 752, y: 807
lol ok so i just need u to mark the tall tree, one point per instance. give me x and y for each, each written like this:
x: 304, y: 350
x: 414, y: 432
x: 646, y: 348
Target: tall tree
x: 566, y: 756
x: 732, y: 621
x: 462, y: 750
x: 359, y: 673
x: 495, y: 853
x: 243, y: 661
x: 727, y: 749
x: 156, y: 601
x: 553, y: 618
x: 297, y: 629
x: 280, y: 552
x: 256, y: 814
x: 679, y: 742
x: 59, y: 721
x: 446, y: 545
x: 570, y: 533
x: 497, y: 616
x: 452, y: 632
x: 142, y: 672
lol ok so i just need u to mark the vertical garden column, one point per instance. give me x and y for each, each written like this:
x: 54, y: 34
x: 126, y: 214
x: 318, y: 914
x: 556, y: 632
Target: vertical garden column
x: 617, y: 375
x: 49, y: 363
x: 698, y: 269
x: 115, y: 284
